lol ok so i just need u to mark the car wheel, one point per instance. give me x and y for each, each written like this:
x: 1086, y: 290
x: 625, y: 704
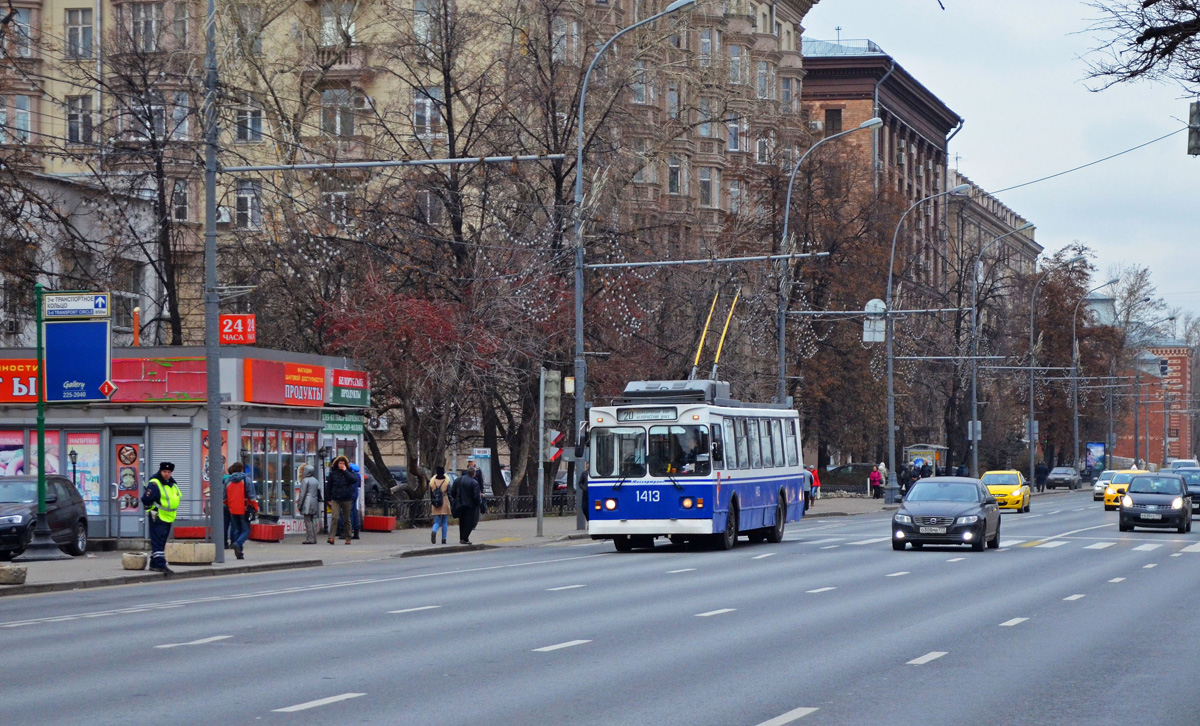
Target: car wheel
x: 6, y: 555
x: 1027, y: 503
x: 898, y: 545
x: 1182, y: 529
x: 775, y: 534
x: 980, y: 542
x: 1109, y: 508
x: 1124, y: 527
x: 727, y: 539
x: 79, y: 539
x: 623, y: 543
x: 994, y: 542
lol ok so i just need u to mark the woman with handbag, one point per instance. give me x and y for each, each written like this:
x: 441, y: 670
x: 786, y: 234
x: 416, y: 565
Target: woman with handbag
x: 439, y: 504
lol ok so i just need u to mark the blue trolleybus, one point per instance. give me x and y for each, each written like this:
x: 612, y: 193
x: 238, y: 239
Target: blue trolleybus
x: 680, y: 459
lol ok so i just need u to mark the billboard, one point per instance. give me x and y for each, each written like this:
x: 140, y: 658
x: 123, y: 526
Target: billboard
x: 1095, y: 455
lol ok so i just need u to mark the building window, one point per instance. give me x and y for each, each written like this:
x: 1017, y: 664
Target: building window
x: 709, y: 44
x: 645, y: 172
x: 735, y: 133
x: 430, y: 207
x: 710, y: 187
x: 678, y: 39
x: 79, y: 33
x: 249, y: 122
x: 17, y: 40
x: 765, y: 85
x: 183, y: 16
x: 672, y: 100
x: 249, y: 204
x: 337, y: 24
x: 674, y: 175
x: 248, y: 33
x: 14, y: 122
x: 736, y: 69
x: 337, y: 205
x: 181, y: 110
x: 77, y: 269
x: 564, y: 40
x: 179, y: 201
x: 80, y: 122
x: 705, y: 118
x: 787, y: 97
x: 144, y: 21
x: 763, y: 155
x: 422, y: 21
x: 641, y: 93
x: 737, y: 196
x: 339, y: 106
x: 127, y: 292
x: 833, y: 121
x: 427, y: 111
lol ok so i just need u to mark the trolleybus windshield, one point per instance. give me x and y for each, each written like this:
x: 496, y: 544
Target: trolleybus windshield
x: 679, y: 451
x: 619, y: 452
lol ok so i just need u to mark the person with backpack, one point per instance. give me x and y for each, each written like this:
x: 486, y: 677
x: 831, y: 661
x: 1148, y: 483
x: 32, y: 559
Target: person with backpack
x: 439, y: 504
x: 241, y: 501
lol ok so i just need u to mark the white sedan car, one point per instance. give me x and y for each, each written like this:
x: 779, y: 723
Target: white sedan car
x: 1101, y: 482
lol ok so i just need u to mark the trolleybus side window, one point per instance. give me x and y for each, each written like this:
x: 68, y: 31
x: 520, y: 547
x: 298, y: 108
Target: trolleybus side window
x: 731, y: 454
x: 743, y: 456
x: 619, y: 452
x: 679, y: 451
x: 777, y: 440
x: 753, y: 442
x: 718, y: 449
x: 789, y: 432
x: 767, y: 452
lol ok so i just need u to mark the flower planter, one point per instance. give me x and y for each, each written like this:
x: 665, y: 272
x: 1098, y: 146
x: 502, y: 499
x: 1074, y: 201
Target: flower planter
x: 200, y: 532
x: 373, y: 523
x: 267, y: 532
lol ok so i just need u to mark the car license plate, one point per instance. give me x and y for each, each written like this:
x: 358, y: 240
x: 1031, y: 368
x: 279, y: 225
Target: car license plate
x: 1151, y: 516
x: 933, y: 530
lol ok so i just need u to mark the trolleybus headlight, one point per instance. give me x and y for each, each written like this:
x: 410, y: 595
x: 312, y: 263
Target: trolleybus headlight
x: 610, y: 504
x: 687, y: 502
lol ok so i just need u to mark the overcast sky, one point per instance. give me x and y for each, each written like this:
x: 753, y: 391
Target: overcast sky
x: 1015, y: 71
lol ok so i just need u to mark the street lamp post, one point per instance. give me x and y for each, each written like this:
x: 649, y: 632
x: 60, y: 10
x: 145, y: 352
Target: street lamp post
x: 1032, y: 360
x: 785, y: 272
x: 975, y: 433
x: 580, y: 364
x: 892, y: 488
x: 74, y: 457
x: 1075, y: 364
x: 1137, y: 393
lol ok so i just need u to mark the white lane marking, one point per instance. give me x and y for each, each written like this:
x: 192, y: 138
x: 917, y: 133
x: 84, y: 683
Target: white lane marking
x: 63, y: 619
x: 560, y: 646
x: 790, y: 717
x: 934, y: 655
x: 1117, y: 579
x: 762, y: 557
x: 827, y: 540
x: 1099, y: 545
x: 202, y: 641
x: 564, y: 587
x: 830, y: 547
x: 711, y: 613
x: 1146, y: 547
x: 820, y: 589
x: 896, y: 574
x: 413, y: 610
x: 1071, y: 598
x: 869, y: 541
x: 1032, y: 516
x: 1081, y: 509
x: 676, y: 572
x: 1053, y: 543
x: 15, y: 625
x: 1191, y: 548
x: 318, y: 702
x: 1012, y: 542
x: 1147, y: 567
x: 1014, y: 621
x: 1177, y: 554
x: 956, y: 559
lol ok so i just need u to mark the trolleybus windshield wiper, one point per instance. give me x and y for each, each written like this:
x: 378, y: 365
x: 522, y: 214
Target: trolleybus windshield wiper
x: 675, y: 483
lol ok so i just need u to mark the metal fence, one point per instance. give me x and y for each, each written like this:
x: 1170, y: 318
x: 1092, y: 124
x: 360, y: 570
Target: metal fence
x: 415, y: 512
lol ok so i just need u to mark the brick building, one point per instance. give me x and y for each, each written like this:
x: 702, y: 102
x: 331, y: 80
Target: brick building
x: 1163, y: 397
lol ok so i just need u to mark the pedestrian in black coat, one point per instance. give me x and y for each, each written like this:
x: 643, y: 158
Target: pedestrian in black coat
x: 466, y: 497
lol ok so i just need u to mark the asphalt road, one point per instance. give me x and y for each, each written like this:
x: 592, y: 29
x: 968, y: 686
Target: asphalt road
x: 1070, y: 622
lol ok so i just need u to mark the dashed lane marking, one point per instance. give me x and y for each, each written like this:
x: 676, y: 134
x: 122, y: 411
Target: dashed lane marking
x: 564, y: 587
x: 319, y: 702
x: 1072, y: 598
x: 1146, y: 547
x: 956, y: 559
x: 827, y: 540
x: 1053, y: 543
x: 763, y: 557
x: 830, y: 547
x: 1014, y: 621
x: 1177, y: 554
x: 676, y: 572
x: 1191, y: 548
x: 869, y: 541
x: 1117, y: 579
x: 1148, y: 567
x: 1011, y: 542
x: 790, y: 717
x: 202, y: 641
x: 897, y: 574
x: 560, y: 646
x: 413, y: 610
x: 931, y: 656
x: 820, y: 589
x: 711, y: 613
x: 1099, y: 545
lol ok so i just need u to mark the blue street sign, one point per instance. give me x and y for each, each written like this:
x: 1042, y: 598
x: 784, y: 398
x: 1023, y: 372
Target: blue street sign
x: 59, y: 305
x: 78, y: 360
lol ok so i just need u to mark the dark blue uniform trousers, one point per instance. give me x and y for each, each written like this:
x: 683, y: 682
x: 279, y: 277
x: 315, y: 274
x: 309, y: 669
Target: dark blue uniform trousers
x: 159, y: 532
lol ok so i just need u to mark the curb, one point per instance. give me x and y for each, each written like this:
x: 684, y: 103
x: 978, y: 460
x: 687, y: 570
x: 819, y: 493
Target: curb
x: 446, y: 550
x: 573, y: 535
x: 144, y: 576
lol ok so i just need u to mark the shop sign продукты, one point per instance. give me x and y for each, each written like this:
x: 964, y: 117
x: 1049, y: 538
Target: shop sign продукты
x: 350, y: 388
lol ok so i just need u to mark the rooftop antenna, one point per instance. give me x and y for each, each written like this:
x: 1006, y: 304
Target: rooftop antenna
x: 839, y: 33
x: 721, y: 345
x: 703, y: 335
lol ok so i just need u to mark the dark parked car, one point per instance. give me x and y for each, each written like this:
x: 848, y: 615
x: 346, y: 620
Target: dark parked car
x: 846, y: 478
x: 1063, y: 476
x: 947, y: 510
x: 1156, y: 500
x: 65, y: 513
x: 1191, y: 479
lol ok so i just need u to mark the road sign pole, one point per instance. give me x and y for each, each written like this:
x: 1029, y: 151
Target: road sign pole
x: 541, y: 456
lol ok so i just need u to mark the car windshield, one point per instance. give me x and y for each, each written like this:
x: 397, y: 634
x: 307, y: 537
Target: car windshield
x: 1106, y: 476
x: 1180, y: 463
x: 619, y: 452
x: 1122, y: 478
x: 1062, y: 470
x: 1191, y: 476
x: 679, y: 451
x: 18, y: 492
x: 1005, y: 480
x: 1155, y: 485
x: 942, y: 491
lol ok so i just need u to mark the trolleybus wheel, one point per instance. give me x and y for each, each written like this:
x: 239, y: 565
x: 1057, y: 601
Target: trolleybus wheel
x: 623, y: 543
x: 775, y: 534
x: 727, y: 539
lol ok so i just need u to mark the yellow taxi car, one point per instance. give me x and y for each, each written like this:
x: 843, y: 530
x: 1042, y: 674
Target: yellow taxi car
x: 1117, y: 487
x: 1009, y: 488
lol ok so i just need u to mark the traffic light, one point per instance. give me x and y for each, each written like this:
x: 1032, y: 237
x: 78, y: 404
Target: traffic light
x: 553, y: 409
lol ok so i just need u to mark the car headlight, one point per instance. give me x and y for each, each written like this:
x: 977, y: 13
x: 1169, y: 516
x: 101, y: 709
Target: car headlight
x: 903, y: 519
x: 1110, y: 492
x: 13, y: 519
x: 969, y: 519
x: 1126, y: 501
x: 1177, y: 503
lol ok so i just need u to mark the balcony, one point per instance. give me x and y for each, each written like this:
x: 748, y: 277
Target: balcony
x: 318, y: 149
x: 340, y: 64
x: 678, y: 204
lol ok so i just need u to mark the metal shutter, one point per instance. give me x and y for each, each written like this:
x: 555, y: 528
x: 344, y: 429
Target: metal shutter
x: 174, y: 444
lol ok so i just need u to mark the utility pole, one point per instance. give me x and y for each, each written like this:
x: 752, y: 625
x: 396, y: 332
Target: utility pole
x: 212, y: 347
x: 541, y: 455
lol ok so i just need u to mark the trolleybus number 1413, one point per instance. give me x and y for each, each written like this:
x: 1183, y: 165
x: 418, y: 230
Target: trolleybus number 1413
x: 649, y: 495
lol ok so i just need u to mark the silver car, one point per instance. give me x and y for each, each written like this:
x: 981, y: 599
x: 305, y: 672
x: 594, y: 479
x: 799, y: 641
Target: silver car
x: 1101, y: 482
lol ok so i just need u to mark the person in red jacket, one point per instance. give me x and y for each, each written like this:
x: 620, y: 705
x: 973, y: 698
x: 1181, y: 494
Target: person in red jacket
x: 241, y: 500
x: 815, y: 494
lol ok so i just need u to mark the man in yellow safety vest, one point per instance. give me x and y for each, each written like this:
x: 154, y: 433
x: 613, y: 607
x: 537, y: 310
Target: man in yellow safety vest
x: 161, y: 499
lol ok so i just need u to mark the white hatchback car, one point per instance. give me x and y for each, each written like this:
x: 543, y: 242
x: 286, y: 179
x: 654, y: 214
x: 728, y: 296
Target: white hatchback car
x: 1101, y: 482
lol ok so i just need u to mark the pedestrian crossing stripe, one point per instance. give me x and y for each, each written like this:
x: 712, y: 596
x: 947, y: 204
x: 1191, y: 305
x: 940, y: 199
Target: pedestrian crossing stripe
x: 1053, y: 543
x: 1099, y: 545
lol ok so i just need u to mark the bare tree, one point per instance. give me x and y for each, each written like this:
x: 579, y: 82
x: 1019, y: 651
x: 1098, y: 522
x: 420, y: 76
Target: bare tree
x: 1157, y: 40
